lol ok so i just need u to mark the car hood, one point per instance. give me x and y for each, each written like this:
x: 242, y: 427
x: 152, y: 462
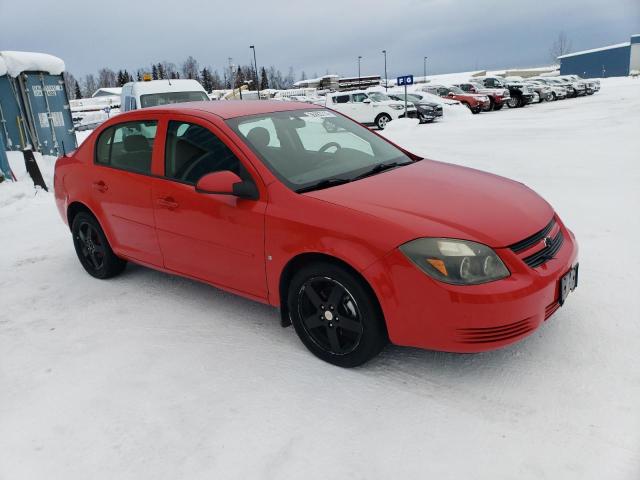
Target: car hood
x: 437, y: 199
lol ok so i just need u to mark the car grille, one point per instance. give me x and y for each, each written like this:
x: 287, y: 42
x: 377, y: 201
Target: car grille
x: 550, y: 245
x: 495, y: 334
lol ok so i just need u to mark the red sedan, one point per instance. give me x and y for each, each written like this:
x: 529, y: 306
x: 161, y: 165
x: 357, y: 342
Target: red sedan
x: 356, y: 240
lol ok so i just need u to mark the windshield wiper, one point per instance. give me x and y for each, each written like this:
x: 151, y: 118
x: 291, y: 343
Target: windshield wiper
x: 326, y: 183
x: 381, y: 167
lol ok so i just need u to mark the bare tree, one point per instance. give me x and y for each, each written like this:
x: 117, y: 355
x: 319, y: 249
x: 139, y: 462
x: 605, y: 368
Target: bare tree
x: 107, y: 78
x: 89, y: 86
x: 190, y: 68
x: 70, y: 85
x: 561, y: 46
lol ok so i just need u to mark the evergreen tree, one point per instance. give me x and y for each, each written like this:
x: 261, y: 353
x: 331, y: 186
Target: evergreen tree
x: 303, y: 76
x: 139, y: 75
x: 78, y: 93
x: 154, y: 72
x: 161, y: 72
x: 206, y: 80
x: 264, y: 81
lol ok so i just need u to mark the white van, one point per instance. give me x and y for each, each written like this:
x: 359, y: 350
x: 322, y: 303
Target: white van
x: 154, y: 93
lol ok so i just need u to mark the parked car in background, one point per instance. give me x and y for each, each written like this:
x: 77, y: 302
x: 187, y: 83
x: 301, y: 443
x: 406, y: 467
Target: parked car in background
x: 576, y: 88
x: 497, y: 96
x: 475, y: 102
x: 520, y: 94
x: 543, y: 91
x: 558, y: 92
x: 360, y: 107
x: 426, y: 111
x: 357, y: 241
x: 412, y: 111
x: 593, y: 84
x: 155, y: 93
x: 582, y: 86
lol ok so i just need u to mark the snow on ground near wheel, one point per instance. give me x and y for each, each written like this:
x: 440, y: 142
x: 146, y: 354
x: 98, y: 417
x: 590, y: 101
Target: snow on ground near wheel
x: 153, y: 376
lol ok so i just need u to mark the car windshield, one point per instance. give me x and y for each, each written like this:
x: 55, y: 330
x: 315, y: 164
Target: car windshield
x: 413, y: 98
x: 456, y: 90
x: 378, y: 96
x: 165, y: 98
x: 312, y: 149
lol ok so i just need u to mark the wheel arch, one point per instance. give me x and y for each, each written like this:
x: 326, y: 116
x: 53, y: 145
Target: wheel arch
x: 75, y: 208
x: 307, y: 258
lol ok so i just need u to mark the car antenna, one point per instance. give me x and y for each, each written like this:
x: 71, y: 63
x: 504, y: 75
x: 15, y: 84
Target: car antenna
x: 64, y: 151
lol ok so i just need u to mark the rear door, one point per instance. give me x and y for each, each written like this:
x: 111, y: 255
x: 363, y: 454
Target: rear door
x: 216, y: 238
x: 121, y: 188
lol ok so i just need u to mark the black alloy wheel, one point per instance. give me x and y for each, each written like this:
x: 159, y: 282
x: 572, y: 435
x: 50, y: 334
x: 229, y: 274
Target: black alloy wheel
x: 335, y: 315
x: 93, y: 249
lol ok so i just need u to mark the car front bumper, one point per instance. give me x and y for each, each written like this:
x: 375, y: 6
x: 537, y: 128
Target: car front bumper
x: 422, y: 312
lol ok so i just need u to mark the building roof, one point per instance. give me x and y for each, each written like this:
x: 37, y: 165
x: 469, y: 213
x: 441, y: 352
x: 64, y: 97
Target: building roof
x: 609, y: 47
x: 104, y: 91
x: 17, y: 62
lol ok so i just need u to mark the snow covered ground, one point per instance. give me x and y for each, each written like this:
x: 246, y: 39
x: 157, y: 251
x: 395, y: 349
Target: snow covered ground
x: 153, y: 376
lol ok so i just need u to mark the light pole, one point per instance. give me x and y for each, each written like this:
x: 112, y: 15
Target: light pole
x: 255, y: 64
x: 386, y: 80
x: 425, y: 69
x: 359, y: 58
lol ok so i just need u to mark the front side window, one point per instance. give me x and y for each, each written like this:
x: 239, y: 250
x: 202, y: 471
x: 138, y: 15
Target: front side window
x: 359, y: 97
x: 166, y: 98
x: 314, y: 145
x: 127, y: 146
x: 193, y: 151
x: 341, y: 99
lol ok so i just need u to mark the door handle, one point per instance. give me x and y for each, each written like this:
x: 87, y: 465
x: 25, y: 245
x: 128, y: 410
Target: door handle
x: 167, y: 202
x: 100, y: 186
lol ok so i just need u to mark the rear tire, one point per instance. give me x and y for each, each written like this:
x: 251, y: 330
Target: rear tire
x: 382, y: 120
x: 336, y: 315
x: 497, y: 106
x: 492, y: 104
x: 93, y: 249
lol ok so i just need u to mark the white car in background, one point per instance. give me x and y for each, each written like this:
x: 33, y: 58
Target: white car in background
x: 558, y: 92
x: 361, y: 108
x: 155, y: 93
x: 412, y: 111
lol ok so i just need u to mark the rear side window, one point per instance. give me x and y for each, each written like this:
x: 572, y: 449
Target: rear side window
x: 127, y: 146
x: 193, y: 151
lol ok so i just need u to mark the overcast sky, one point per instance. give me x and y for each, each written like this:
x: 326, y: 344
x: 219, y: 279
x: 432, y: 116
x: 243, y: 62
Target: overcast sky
x: 314, y: 36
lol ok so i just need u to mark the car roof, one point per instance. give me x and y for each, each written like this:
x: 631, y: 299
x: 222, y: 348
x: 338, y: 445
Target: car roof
x: 227, y: 109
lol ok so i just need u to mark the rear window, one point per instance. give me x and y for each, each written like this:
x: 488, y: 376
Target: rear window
x: 127, y: 146
x: 166, y: 98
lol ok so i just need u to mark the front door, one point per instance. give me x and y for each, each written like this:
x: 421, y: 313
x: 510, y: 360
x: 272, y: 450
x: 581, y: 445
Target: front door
x: 215, y: 238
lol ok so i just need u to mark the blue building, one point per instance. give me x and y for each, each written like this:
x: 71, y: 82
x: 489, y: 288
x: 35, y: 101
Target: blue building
x: 611, y: 61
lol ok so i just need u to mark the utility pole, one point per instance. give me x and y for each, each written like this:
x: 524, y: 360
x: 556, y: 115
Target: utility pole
x: 425, y: 69
x: 359, y: 58
x: 386, y: 80
x: 255, y: 65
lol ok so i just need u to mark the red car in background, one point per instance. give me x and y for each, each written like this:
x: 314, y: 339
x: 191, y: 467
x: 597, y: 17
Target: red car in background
x: 355, y: 239
x: 498, y: 97
x: 475, y: 102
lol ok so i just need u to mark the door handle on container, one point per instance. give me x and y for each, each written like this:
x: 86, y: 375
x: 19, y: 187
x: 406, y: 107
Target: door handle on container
x: 167, y: 202
x: 100, y: 186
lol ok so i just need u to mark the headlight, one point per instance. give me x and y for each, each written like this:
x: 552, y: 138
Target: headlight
x: 459, y: 262
x: 398, y: 107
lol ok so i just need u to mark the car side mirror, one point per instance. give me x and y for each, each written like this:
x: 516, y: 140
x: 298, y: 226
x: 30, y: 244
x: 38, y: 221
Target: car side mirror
x: 366, y: 100
x: 226, y: 182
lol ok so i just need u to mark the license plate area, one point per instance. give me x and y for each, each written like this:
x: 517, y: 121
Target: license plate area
x: 568, y: 283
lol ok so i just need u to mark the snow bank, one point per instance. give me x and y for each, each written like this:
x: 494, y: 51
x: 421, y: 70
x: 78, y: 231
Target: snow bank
x: 18, y: 62
x: 3, y: 67
x: 18, y: 195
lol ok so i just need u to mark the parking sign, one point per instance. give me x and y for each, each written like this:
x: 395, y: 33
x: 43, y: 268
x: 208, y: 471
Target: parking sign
x: 405, y: 80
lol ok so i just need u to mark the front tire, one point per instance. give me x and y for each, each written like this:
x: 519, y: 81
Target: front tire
x: 336, y: 315
x: 513, y: 102
x: 382, y: 120
x: 93, y: 249
x: 491, y: 106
